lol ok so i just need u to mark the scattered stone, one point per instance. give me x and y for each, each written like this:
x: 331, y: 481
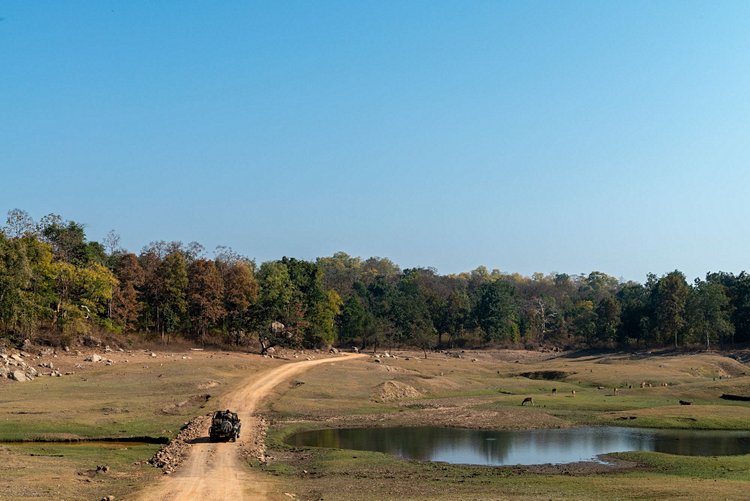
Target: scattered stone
x: 107, y: 349
x: 93, y: 358
x: 153, y: 355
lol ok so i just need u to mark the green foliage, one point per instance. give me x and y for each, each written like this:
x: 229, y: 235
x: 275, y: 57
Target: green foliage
x: 53, y: 280
x: 497, y: 313
x: 670, y: 297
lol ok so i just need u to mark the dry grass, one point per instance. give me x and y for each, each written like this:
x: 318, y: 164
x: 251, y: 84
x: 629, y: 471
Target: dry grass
x: 154, y: 396
x: 139, y: 395
x: 485, y: 390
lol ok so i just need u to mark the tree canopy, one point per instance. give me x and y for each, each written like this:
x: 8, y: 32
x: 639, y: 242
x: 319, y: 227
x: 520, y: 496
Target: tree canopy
x: 57, y: 284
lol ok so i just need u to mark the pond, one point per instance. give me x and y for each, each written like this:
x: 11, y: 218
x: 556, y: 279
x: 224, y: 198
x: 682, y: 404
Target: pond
x: 496, y: 448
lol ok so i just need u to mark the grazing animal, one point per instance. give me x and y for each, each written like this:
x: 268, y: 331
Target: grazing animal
x: 554, y: 391
x: 685, y: 402
x: 572, y: 393
x: 529, y: 400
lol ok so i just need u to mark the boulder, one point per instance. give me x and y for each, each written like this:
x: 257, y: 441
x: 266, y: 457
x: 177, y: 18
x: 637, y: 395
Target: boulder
x: 93, y: 358
x: 19, y: 376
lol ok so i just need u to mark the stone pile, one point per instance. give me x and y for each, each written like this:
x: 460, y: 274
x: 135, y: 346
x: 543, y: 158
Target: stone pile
x: 169, y: 457
x: 15, y: 367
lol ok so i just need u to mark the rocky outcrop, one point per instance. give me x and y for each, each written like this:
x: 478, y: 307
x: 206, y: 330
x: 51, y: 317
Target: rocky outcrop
x: 14, y: 367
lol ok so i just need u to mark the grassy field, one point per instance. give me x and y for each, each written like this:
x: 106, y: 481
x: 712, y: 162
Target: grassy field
x: 153, y: 396
x: 138, y: 396
x: 485, y: 390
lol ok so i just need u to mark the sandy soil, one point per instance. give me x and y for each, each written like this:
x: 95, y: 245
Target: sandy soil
x: 215, y: 470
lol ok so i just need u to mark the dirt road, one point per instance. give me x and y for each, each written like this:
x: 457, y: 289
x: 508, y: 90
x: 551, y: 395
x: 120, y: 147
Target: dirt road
x: 214, y: 471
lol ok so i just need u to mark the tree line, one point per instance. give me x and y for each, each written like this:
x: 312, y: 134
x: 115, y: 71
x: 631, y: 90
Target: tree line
x: 56, y: 285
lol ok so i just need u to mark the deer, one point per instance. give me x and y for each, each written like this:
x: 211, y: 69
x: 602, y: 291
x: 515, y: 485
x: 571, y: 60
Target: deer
x: 529, y: 400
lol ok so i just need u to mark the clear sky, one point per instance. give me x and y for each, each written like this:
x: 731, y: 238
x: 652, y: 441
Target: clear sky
x: 527, y: 136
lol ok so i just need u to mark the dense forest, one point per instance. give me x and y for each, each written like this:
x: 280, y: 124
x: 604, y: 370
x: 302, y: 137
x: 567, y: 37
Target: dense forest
x: 56, y: 286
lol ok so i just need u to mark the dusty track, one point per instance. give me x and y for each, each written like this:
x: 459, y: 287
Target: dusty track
x: 215, y: 471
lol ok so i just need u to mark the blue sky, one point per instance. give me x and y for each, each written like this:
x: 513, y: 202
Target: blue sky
x: 525, y: 136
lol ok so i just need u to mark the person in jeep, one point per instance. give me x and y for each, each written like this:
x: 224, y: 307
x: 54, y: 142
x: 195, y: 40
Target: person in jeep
x: 225, y: 425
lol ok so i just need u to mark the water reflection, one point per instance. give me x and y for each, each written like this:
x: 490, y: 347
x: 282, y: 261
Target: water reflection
x: 482, y: 447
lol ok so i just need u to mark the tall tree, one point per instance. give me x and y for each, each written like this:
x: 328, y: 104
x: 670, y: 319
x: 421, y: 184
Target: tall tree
x: 240, y: 295
x: 497, y: 313
x: 205, y: 297
x: 172, y: 302
x: 670, y: 297
x: 709, y: 314
x: 126, y: 304
x: 608, y: 314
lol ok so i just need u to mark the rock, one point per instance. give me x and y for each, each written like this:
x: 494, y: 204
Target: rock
x: 107, y: 349
x: 27, y: 344
x: 333, y: 350
x: 46, y: 352
x: 91, y: 341
x: 153, y: 355
x: 19, y: 376
x: 271, y: 350
x: 93, y: 358
x: 31, y: 372
x: 17, y: 358
x: 355, y: 349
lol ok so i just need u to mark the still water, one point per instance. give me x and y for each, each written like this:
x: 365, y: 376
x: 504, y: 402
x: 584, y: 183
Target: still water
x: 494, y: 448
